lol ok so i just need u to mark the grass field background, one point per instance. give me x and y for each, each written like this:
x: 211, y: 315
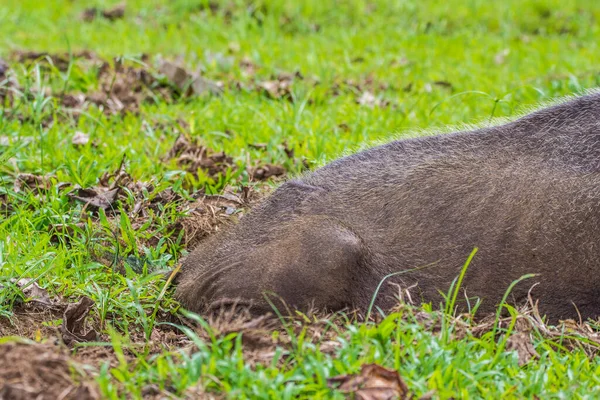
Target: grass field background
x: 360, y: 72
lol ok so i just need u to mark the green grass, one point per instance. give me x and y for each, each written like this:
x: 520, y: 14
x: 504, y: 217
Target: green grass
x: 492, y: 59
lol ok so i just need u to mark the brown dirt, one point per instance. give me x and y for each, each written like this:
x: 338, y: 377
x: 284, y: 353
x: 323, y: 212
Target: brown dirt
x: 59, y: 60
x: 193, y: 156
x: 123, y: 86
x: 38, y: 371
x: 259, y: 347
x: 111, y: 14
x: 29, y: 322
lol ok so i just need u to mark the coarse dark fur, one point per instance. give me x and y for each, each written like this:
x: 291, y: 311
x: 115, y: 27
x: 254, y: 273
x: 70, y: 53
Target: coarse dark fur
x: 526, y: 194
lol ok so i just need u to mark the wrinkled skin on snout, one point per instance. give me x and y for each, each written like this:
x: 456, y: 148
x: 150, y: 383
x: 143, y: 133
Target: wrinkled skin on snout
x: 526, y: 194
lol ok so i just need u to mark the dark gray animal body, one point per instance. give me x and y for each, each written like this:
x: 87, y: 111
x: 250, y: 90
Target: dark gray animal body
x: 526, y: 193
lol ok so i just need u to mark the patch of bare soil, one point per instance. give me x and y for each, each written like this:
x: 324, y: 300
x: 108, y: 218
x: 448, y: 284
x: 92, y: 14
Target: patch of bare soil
x: 58, y: 60
x: 111, y: 14
x: 192, y: 156
x: 123, y: 86
x: 260, y: 346
x: 39, y: 315
x: 29, y: 322
x: 37, y: 371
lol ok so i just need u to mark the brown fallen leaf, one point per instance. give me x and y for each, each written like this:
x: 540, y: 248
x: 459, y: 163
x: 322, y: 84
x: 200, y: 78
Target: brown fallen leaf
x: 186, y: 81
x: 276, y: 89
x: 202, y: 85
x: 248, y: 66
x: 26, y: 181
x: 117, y: 178
x: 74, y: 101
x: 175, y: 74
x: 34, y: 293
x: 374, y: 382
x: 521, y: 343
x: 73, y: 327
x: 267, y: 171
x: 96, y: 198
x: 80, y: 139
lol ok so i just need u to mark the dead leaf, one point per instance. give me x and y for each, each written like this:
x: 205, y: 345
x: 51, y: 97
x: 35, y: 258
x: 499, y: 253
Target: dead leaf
x: 175, y: 74
x: 202, y: 85
x: 521, y: 343
x: 186, y: 81
x: 80, y: 139
x: 119, y: 177
x: 90, y: 14
x: 374, y: 382
x: 275, y: 89
x: 281, y: 86
x: 96, y: 198
x: 193, y: 156
x: 267, y: 171
x: 248, y: 66
x: 33, y: 292
x: 31, y: 182
x: 73, y: 327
